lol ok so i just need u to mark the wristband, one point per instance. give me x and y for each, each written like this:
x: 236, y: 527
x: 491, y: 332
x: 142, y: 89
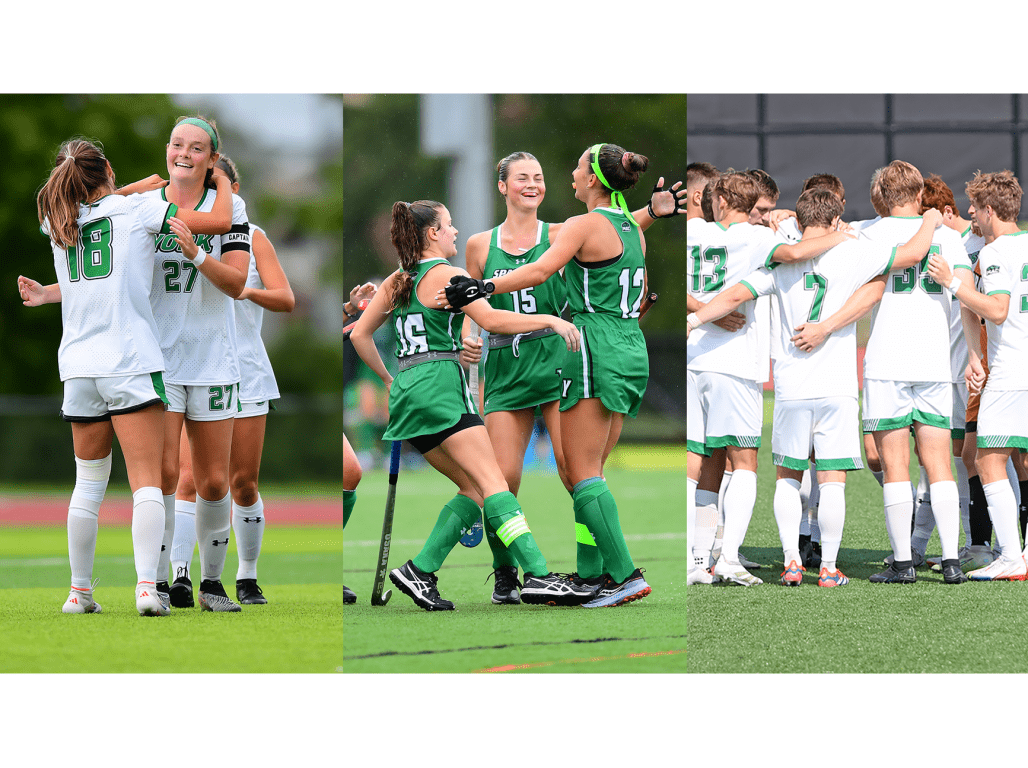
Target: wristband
x: 200, y: 258
x: 954, y: 284
x: 347, y: 313
x: 692, y: 321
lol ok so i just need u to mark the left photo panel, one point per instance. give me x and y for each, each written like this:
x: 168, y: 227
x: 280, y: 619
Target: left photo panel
x: 171, y: 384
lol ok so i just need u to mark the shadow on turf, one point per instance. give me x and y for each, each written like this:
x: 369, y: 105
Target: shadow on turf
x: 857, y: 564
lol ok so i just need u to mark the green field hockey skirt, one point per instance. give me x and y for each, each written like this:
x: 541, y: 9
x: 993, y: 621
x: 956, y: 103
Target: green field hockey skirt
x: 611, y: 364
x: 426, y: 399
x: 530, y: 379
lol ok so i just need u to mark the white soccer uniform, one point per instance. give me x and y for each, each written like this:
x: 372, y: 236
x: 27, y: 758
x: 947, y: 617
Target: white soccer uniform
x: 109, y: 327
x: 910, y: 340
x: 257, y: 383
x: 958, y: 346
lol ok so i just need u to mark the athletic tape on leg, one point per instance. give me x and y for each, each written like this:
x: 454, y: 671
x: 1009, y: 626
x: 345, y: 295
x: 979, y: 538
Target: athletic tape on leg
x: 583, y: 535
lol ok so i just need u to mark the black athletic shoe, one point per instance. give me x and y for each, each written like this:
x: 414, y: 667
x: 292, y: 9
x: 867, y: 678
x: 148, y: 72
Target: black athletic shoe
x: 554, y: 589
x: 594, y: 584
x: 248, y: 593
x: 951, y: 573
x: 815, y: 559
x: 163, y: 593
x: 419, y: 587
x: 349, y: 596
x: 806, y: 551
x: 181, y: 591
x: 505, y: 590
x: 898, y: 573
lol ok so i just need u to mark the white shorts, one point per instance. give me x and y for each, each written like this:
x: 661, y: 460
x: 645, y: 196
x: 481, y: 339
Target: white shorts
x: 829, y: 425
x: 722, y: 410
x: 898, y: 404
x: 958, y: 423
x: 1003, y: 419
x: 249, y: 410
x: 97, y: 399
x: 204, y: 403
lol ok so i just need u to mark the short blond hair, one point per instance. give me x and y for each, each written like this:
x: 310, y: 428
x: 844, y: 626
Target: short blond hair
x: 900, y: 184
x: 1001, y: 190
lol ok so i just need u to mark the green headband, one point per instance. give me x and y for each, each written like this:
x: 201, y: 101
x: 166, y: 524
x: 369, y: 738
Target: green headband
x: 200, y: 123
x: 616, y: 198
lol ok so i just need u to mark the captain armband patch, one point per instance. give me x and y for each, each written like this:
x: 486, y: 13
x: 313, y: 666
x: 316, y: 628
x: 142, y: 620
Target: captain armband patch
x: 237, y: 239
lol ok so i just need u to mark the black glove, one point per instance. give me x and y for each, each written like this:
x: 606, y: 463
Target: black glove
x: 463, y: 290
x: 679, y: 196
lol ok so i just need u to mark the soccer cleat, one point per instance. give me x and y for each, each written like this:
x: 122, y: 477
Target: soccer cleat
x: 556, y: 589
x: 894, y: 575
x: 419, y: 587
x: 1003, y: 569
x: 792, y: 576
x: 834, y: 578
x: 612, y: 594
x: 148, y: 602
x: 951, y: 573
x: 81, y: 601
x: 733, y: 573
x: 978, y: 556
x: 248, y: 593
x: 212, y: 597
x: 815, y: 561
x: 181, y: 591
x: 806, y: 551
x: 164, y: 594
x: 349, y: 596
x: 505, y: 588
x: 748, y: 564
x: 698, y: 576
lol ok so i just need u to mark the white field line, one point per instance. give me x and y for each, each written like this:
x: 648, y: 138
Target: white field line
x: 419, y: 542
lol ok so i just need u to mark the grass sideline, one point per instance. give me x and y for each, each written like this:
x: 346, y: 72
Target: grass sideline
x: 645, y: 636
x: 862, y: 627
x: 299, y: 631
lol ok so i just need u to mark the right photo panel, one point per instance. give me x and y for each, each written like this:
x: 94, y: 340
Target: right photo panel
x: 857, y: 382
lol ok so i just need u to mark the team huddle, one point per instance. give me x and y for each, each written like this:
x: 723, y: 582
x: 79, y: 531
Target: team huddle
x: 946, y: 360
x: 162, y: 286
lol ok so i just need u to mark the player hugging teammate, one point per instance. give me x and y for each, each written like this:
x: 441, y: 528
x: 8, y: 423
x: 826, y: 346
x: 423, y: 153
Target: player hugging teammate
x: 914, y: 262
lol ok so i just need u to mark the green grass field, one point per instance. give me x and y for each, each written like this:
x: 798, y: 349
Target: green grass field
x: 300, y: 630
x: 644, y: 636
x: 862, y: 627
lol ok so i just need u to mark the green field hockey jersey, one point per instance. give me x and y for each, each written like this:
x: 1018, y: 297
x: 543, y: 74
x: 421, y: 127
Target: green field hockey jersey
x: 422, y: 329
x: 614, y: 287
x: 549, y: 298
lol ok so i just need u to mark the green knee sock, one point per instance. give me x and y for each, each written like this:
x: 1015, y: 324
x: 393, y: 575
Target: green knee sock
x: 590, y: 561
x: 504, y: 515
x: 596, y: 509
x: 349, y: 499
x: 459, y: 513
x: 501, y: 555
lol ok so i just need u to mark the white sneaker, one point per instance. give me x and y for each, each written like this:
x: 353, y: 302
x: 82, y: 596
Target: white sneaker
x: 148, y: 603
x: 734, y: 573
x: 748, y: 564
x: 81, y: 601
x: 978, y: 556
x: 698, y: 576
x: 1003, y: 569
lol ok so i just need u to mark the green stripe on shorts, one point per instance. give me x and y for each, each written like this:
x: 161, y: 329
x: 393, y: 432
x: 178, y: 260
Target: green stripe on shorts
x: 1002, y: 441
x: 881, y: 425
x: 839, y: 464
x: 788, y: 462
x: 931, y: 419
x: 158, y: 386
x: 696, y: 447
x: 740, y: 441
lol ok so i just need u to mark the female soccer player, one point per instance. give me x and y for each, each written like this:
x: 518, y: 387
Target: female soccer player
x: 520, y: 370
x: 430, y: 405
x: 267, y: 287
x: 110, y: 359
x: 604, y: 255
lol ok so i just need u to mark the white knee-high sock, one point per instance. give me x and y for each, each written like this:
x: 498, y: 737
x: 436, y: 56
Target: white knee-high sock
x: 1015, y: 484
x: 899, y: 509
x: 706, y: 528
x: 832, y: 516
x: 924, y: 514
x: 690, y: 519
x: 805, y: 485
x: 964, y: 499
x: 739, y: 500
x: 788, y: 513
x: 91, y: 476
x: 248, y: 525
x: 184, y: 541
x: 168, y: 539
x: 147, y: 531
x: 1003, y: 511
x: 946, y: 507
x: 719, y: 535
x: 813, y: 504
x: 213, y: 523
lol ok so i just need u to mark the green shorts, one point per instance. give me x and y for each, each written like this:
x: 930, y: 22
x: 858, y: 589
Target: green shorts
x: 426, y: 399
x: 611, y: 364
x: 530, y: 379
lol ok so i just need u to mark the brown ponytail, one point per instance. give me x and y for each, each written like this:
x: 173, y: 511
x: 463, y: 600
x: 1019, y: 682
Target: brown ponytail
x: 80, y: 171
x: 407, y: 233
x: 622, y: 169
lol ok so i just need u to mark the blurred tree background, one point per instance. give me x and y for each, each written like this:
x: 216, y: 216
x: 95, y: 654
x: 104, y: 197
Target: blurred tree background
x: 383, y: 163
x: 301, y: 211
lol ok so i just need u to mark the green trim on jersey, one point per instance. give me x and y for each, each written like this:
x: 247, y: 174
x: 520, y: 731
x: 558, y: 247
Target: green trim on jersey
x: 770, y: 256
x: 203, y: 197
x: 158, y: 386
x: 892, y: 258
x: 994, y: 293
x: 548, y: 298
x: 425, y: 329
x: 749, y: 288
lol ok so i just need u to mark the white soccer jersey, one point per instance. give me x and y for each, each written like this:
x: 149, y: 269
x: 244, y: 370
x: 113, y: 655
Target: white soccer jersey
x: 789, y: 230
x: 196, y: 320
x: 1004, y: 265
x: 958, y: 355
x: 809, y: 292
x: 258, y: 379
x: 719, y: 257
x: 105, y: 279
x: 910, y: 339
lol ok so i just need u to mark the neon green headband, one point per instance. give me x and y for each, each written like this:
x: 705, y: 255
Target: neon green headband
x: 200, y: 123
x: 616, y: 198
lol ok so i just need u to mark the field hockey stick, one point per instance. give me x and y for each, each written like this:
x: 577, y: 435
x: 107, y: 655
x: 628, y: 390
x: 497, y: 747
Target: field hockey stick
x: 377, y: 598
x: 649, y: 301
x: 472, y: 536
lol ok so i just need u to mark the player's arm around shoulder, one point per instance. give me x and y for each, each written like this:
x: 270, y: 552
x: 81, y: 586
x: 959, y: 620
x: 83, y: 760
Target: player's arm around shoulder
x: 804, y: 250
x: 997, y: 284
